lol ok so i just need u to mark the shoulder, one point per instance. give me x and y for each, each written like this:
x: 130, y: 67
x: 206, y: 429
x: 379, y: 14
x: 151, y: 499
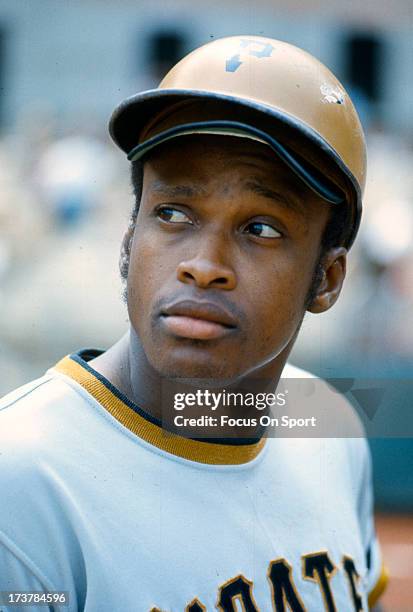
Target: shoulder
x: 37, y: 445
x: 292, y: 371
x: 25, y: 417
x: 21, y: 412
x: 48, y: 425
x: 332, y: 405
x: 38, y: 392
x: 35, y: 421
x: 339, y: 427
x: 34, y: 403
x: 21, y: 392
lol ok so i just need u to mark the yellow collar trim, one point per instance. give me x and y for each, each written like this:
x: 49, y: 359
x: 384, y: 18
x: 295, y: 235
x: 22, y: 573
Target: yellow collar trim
x: 194, y: 450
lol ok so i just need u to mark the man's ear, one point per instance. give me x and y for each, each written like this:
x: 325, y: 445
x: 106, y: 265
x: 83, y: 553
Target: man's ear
x: 125, y: 252
x: 333, y: 273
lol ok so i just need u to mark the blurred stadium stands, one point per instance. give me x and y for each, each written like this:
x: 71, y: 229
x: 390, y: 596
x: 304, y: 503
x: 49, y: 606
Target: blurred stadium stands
x: 65, y: 195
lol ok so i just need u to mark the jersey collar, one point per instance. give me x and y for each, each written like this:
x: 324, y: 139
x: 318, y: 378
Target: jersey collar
x: 147, y: 428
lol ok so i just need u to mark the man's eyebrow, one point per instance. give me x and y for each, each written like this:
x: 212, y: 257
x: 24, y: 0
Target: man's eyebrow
x: 177, y: 191
x: 255, y: 185
x: 289, y: 201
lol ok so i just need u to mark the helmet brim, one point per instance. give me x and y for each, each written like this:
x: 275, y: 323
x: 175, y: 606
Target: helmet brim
x: 134, y: 113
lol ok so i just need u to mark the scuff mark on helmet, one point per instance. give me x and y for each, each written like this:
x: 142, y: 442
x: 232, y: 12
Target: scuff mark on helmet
x: 331, y: 95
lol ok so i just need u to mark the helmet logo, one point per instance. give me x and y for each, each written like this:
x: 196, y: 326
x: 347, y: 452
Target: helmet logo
x: 331, y: 95
x: 265, y: 49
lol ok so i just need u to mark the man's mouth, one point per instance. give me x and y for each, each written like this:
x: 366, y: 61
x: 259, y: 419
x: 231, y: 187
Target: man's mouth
x: 197, y: 320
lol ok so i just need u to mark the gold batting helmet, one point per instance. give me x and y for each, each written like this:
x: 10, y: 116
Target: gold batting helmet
x: 262, y: 89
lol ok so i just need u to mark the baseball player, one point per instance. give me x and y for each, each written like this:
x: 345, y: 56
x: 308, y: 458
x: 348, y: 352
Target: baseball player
x: 248, y: 167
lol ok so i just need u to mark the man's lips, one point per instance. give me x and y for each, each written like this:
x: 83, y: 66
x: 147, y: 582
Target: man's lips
x: 197, y: 320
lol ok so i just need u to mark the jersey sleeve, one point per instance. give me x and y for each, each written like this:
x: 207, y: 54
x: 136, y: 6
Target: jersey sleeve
x: 18, y: 574
x: 377, y: 575
x: 38, y: 544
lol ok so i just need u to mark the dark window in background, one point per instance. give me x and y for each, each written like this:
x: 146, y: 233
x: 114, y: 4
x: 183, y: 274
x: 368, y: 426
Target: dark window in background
x: 165, y: 49
x: 364, y: 59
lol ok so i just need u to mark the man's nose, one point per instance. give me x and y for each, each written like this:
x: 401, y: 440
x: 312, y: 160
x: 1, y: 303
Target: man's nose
x: 207, y: 270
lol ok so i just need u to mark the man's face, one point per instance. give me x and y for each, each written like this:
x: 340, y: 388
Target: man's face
x: 222, y: 257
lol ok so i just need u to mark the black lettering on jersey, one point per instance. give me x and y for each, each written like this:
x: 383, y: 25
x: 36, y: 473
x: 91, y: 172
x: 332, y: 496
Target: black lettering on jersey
x: 195, y: 606
x: 237, y: 589
x: 368, y: 558
x: 319, y: 568
x: 353, y: 578
x: 283, y: 588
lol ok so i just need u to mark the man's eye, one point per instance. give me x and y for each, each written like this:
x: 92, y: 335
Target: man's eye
x: 263, y: 230
x: 172, y: 215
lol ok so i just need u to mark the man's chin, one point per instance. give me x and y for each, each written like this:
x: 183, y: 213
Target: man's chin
x: 184, y: 364
x: 196, y: 371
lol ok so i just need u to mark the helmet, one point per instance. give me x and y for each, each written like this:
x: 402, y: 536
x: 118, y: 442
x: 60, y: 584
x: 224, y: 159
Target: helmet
x: 264, y: 89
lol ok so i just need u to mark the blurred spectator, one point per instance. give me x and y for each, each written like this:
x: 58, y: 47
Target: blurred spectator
x: 72, y: 173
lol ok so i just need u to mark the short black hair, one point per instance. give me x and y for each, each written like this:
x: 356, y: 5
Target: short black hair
x: 334, y: 231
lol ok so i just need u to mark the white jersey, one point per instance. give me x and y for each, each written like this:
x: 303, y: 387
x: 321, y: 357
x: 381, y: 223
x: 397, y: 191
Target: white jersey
x: 98, y: 501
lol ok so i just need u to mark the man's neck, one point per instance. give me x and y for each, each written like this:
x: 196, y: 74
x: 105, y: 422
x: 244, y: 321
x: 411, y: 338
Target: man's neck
x: 125, y: 365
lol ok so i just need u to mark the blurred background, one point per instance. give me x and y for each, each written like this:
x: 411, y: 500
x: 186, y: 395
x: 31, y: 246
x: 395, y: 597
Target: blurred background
x: 65, y: 197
